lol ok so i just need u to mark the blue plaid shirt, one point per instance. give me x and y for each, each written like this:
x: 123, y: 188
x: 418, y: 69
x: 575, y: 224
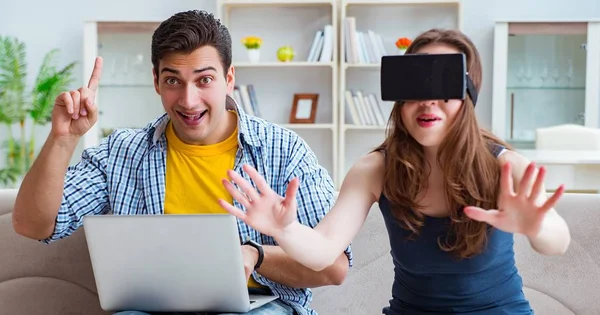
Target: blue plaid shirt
x: 125, y: 175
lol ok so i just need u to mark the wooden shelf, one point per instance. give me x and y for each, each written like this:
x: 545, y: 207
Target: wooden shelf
x: 529, y: 28
x: 308, y: 126
x: 127, y: 27
x: 361, y: 65
x: 362, y: 127
x: 254, y: 3
x: 399, y: 2
x: 282, y: 64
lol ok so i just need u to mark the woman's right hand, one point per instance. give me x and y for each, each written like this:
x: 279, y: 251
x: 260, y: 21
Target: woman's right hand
x: 75, y: 112
x: 266, y: 211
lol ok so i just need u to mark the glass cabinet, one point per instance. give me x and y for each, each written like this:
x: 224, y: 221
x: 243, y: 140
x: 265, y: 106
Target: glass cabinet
x: 545, y: 74
x: 126, y: 96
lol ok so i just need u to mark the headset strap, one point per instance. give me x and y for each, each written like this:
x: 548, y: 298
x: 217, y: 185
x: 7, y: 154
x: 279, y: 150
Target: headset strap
x: 471, y: 90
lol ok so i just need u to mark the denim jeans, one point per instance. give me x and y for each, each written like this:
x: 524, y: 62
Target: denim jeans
x: 275, y: 307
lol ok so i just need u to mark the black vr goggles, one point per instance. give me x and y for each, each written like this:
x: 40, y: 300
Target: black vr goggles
x: 426, y: 77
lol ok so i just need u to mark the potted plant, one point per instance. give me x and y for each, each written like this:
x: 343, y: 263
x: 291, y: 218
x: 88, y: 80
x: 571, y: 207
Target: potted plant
x: 23, y: 107
x: 252, y: 44
x: 402, y: 43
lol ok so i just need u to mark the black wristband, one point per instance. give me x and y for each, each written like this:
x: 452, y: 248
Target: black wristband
x: 261, y: 253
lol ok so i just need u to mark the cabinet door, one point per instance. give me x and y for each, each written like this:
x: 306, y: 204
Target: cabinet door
x: 545, y: 78
x: 126, y: 97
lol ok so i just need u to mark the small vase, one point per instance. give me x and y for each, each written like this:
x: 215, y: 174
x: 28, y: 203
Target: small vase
x: 401, y: 51
x: 254, y: 55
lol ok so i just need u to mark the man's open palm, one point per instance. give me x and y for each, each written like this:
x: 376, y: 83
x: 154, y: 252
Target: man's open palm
x: 266, y: 211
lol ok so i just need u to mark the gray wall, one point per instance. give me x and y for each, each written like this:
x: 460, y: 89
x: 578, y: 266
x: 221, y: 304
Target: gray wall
x: 46, y: 25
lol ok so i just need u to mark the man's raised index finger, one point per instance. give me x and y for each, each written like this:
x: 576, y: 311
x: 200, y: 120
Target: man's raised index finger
x: 95, y: 78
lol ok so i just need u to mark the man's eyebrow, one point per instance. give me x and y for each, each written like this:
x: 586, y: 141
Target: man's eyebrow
x: 174, y: 71
x: 205, y: 69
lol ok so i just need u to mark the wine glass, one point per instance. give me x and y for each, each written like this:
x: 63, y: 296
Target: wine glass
x: 544, y: 72
x: 556, y: 75
x: 569, y: 71
x: 521, y: 72
x: 528, y: 72
x: 138, y: 68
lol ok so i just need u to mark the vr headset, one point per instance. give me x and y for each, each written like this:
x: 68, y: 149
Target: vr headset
x: 426, y: 77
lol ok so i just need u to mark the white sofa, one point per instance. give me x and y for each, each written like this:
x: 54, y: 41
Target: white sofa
x: 57, y: 278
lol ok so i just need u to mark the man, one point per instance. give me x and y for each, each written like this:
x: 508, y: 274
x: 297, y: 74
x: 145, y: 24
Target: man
x: 176, y: 164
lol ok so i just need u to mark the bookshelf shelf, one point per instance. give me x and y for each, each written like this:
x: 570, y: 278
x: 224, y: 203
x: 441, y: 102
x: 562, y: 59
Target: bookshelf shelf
x: 359, y: 127
x: 369, y: 30
x: 279, y: 3
x: 283, y: 64
x: 397, y: 2
x: 308, y: 126
x: 310, y: 27
x: 375, y: 66
x: 126, y: 27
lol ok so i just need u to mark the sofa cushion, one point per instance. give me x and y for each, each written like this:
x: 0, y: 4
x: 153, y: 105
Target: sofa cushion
x: 36, y: 278
x: 572, y: 279
x: 368, y: 286
x: 544, y: 304
x: 47, y: 296
x: 567, y: 284
x: 58, y: 279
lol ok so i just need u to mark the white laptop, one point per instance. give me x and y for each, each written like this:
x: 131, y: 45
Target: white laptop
x: 169, y: 263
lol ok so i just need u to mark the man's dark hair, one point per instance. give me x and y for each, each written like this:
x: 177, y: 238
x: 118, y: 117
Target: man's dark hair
x: 187, y: 31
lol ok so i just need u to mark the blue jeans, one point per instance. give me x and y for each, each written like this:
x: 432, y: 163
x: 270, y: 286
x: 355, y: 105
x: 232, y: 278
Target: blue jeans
x: 275, y: 307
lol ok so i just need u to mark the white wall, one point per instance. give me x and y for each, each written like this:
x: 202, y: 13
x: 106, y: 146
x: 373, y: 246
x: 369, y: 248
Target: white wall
x: 47, y: 25
x: 44, y: 25
x: 478, y: 22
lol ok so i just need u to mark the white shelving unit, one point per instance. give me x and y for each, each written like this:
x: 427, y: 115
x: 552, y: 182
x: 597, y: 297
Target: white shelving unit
x: 294, y: 23
x: 336, y: 140
x: 126, y: 96
x: 383, y: 22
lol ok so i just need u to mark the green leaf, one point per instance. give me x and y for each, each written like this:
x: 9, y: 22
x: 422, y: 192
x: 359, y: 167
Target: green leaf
x: 48, y: 86
x: 13, y: 102
x: 9, y: 176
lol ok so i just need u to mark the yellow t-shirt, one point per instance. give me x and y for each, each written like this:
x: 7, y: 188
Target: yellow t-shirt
x: 194, y: 174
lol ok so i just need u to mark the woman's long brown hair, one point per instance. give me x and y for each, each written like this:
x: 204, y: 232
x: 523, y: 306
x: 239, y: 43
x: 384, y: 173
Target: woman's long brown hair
x: 471, y: 172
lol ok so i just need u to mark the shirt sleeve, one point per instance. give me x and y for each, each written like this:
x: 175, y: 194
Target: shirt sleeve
x: 316, y: 194
x: 85, y: 192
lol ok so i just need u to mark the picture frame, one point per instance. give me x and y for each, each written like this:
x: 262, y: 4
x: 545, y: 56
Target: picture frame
x: 304, y: 109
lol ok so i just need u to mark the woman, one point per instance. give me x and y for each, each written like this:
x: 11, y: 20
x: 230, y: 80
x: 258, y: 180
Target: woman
x: 451, y: 196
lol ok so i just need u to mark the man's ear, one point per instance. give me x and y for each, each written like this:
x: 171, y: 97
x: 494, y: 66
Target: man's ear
x: 230, y: 77
x: 155, y: 77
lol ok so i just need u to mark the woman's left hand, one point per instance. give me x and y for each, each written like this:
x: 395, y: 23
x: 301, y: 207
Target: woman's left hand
x: 518, y: 212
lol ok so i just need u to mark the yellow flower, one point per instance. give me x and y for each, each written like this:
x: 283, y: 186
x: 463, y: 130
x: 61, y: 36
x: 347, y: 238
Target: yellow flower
x: 252, y: 42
